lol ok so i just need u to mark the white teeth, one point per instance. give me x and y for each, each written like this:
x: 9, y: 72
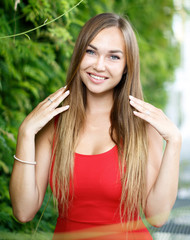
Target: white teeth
x: 96, y: 77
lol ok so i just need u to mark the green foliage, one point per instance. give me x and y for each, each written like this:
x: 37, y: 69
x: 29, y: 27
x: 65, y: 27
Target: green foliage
x: 34, y: 65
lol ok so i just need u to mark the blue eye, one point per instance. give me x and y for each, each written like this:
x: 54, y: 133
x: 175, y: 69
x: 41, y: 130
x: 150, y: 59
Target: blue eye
x: 114, y: 57
x: 90, y: 51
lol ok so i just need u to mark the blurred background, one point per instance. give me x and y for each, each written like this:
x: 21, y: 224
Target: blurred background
x: 35, y: 64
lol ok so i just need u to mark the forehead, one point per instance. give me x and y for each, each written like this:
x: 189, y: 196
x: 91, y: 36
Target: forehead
x: 109, y: 39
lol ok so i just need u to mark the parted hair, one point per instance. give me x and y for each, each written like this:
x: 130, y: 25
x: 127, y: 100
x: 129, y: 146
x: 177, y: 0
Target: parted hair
x: 127, y: 131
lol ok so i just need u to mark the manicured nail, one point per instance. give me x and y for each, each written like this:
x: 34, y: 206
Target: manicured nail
x: 66, y: 107
x: 67, y: 92
x: 63, y: 88
x: 130, y: 96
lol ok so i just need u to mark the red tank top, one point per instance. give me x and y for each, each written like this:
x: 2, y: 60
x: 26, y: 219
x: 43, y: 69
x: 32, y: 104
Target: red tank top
x: 94, y: 211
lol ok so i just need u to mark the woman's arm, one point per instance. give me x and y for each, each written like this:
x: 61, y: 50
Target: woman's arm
x: 163, y: 168
x: 29, y: 182
x: 162, y: 178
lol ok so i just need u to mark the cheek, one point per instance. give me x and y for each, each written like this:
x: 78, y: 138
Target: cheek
x: 81, y: 66
x: 117, y: 70
x: 86, y: 62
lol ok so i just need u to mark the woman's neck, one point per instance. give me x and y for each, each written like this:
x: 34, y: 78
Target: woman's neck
x: 99, y: 103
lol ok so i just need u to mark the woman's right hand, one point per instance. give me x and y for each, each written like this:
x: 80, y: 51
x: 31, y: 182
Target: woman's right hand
x: 44, y: 112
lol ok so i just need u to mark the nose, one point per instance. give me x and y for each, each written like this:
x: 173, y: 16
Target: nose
x: 99, y: 65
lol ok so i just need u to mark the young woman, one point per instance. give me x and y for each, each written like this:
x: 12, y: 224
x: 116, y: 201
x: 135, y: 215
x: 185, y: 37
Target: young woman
x: 102, y: 150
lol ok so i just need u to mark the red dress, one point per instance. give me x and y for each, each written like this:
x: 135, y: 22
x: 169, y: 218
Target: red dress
x: 94, y: 210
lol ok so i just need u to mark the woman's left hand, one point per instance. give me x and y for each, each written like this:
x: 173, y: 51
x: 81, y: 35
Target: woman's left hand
x: 156, y: 117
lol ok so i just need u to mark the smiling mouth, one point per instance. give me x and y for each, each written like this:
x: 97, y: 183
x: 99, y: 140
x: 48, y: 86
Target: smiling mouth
x: 96, y: 77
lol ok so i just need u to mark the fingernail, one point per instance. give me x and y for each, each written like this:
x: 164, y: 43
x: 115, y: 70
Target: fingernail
x: 130, y: 96
x: 63, y: 88
x: 67, y: 92
x: 67, y: 106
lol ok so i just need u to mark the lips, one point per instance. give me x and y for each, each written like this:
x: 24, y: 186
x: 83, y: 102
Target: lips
x: 97, y: 78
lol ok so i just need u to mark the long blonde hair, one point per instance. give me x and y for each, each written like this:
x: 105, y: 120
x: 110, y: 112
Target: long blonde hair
x: 127, y: 131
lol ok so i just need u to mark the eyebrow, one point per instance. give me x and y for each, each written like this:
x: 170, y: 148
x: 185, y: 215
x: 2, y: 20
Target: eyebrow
x: 111, y: 51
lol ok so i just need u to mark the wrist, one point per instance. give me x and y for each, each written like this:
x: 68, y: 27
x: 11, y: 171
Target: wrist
x: 175, y: 139
x: 25, y: 131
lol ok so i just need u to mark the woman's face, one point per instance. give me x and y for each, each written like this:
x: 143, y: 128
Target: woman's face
x: 104, y: 62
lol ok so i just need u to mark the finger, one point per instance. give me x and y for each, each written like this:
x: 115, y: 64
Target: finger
x: 140, y: 102
x: 143, y: 116
x: 60, y: 110
x: 59, y: 99
x: 142, y: 106
x: 53, y: 96
x: 56, y: 98
x: 139, y: 107
x: 56, y: 94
